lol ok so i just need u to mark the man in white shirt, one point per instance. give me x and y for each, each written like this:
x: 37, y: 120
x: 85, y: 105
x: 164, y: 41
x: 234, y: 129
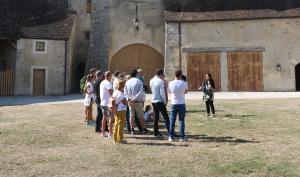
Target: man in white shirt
x: 134, y: 90
x: 106, y: 92
x: 159, y: 100
x: 178, y: 89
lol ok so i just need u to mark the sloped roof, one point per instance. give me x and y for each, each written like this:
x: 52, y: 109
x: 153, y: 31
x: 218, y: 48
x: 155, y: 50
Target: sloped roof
x: 209, y: 10
x: 58, y: 30
x: 18, y: 17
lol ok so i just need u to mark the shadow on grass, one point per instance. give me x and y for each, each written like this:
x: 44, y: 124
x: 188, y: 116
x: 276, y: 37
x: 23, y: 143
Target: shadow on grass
x: 200, y: 111
x: 219, y: 139
x: 159, y: 144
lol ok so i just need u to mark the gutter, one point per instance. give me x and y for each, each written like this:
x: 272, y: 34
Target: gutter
x: 65, y: 74
x: 180, y: 58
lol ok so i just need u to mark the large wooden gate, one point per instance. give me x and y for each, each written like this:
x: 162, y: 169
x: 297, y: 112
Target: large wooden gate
x: 39, y: 82
x: 199, y: 64
x: 245, y: 71
x: 138, y: 56
x: 7, y: 82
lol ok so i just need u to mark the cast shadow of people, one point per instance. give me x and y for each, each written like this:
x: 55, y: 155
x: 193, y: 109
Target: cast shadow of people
x: 218, y: 139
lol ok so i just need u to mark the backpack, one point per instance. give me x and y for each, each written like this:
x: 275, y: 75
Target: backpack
x: 82, y: 84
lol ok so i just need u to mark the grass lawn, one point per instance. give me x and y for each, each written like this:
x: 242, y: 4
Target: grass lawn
x: 247, y: 138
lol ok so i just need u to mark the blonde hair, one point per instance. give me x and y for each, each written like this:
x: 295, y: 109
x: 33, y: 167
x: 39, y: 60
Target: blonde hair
x: 121, y: 84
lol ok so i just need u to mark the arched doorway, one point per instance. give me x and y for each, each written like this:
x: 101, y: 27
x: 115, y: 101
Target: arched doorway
x: 137, y: 56
x: 297, y: 75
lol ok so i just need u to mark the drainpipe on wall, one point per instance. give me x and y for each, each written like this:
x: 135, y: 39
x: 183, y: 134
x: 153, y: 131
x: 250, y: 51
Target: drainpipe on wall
x: 179, y: 33
x: 65, y: 75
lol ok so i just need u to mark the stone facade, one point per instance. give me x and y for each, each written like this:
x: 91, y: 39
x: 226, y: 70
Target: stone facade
x: 99, y: 47
x: 278, y: 39
x: 114, y: 28
x: 53, y: 61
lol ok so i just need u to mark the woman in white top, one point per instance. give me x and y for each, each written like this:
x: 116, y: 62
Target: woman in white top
x: 89, y: 99
x: 120, y: 112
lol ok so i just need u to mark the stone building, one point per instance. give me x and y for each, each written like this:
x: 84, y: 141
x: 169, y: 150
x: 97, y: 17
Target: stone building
x: 128, y: 34
x: 247, y: 47
x: 37, y: 43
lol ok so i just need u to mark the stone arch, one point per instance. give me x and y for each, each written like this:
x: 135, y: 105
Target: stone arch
x: 137, y: 56
x: 297, y: 76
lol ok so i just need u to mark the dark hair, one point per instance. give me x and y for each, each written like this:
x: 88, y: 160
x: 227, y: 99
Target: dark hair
x: 178, y: 73
x: 99, y: 73
x: 159, y: 72
x: 133, y: 73
x: 183, y: 77
x: 93, y: 70
x: 148, y: 107
x: 211, y: 80
x: 116, y: 74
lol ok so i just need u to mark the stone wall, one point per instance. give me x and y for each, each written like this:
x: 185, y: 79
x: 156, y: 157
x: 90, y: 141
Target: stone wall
x: 81, y: 40
x: 279, y: 38
x: 99, y: 46
x: 53, y: 61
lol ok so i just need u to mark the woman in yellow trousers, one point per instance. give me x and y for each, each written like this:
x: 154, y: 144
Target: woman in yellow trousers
x: 120, y: 112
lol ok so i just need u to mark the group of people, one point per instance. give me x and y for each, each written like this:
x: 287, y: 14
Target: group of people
x: 120, y: 100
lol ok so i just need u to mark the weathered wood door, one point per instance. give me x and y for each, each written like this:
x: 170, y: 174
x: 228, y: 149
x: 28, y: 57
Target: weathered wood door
x: 38, y: 82
x: 245, y: 71
x: 199, y: 64
x: 297, y: 75
x: 138, y: 56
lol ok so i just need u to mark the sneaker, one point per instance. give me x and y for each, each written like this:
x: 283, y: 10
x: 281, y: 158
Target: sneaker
x: 133, y: 132
x: 158, y: 134
x: 145, y: 130
x: 109, y: 136
x: 207, y: 115
x: 182, y: 139
x: 170, y: 139
x: 212, y: 115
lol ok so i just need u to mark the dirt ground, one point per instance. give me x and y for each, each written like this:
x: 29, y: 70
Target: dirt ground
x: 247, y: 138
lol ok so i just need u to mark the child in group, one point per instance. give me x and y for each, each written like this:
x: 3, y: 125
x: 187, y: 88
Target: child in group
x: 149, y: 114
x: 120, y: 103
x: 89, y: 99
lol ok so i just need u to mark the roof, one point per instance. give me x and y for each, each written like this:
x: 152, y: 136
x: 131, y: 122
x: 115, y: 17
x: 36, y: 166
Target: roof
x: 210, y: 10
x: 17, y: 17
x: 58, y: 30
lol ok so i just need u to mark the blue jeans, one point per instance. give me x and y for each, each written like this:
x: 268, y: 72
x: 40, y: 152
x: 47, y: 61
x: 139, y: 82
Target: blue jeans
x: 177, y: 109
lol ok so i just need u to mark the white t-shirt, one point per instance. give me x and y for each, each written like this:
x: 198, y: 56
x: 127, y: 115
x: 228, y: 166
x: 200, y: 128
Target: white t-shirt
x: 119, y: 96
x: 105, y: 86
x: 178, y: 88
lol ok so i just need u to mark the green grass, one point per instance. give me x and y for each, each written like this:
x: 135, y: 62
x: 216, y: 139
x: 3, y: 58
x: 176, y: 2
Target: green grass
x: 247, y: 138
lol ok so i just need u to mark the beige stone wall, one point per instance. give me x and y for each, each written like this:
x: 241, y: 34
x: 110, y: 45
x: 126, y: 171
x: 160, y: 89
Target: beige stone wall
x: 123, y: 30
x: 279, y: 37
x: 52, y: 61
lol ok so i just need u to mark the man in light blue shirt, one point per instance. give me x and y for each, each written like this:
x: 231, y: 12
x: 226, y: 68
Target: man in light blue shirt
x: 159, y: 100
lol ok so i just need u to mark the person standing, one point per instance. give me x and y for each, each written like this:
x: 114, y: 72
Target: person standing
x: 208, y: 88
x: 136, y: 96
x: 89, y: 99
x: 159, y: 101
x: 99, y: 79
x: 120, y: 114
x: 178, y: 90
x: 106, y: 92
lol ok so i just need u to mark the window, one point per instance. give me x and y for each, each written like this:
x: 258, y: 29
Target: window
x: 88, y: 6
x: 40, y: 46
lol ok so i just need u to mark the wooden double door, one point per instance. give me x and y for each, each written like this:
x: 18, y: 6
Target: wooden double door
x: 199, y: 64
x: 245, y: 71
